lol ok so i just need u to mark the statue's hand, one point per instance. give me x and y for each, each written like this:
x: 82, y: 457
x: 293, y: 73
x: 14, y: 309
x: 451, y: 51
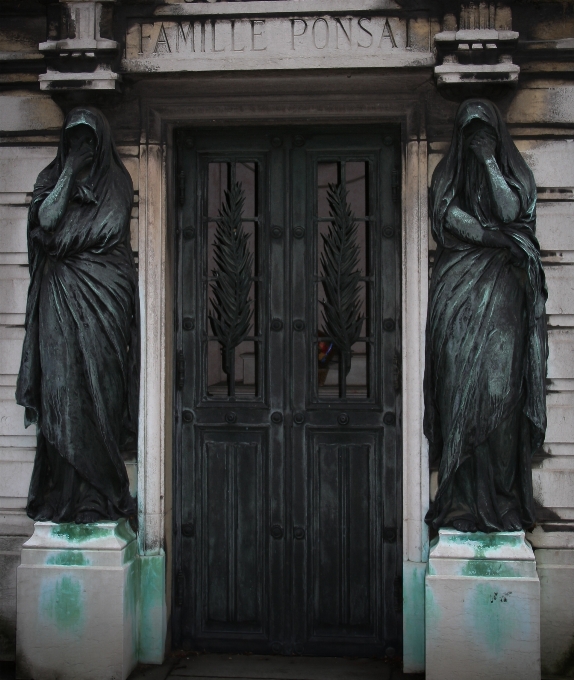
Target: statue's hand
x: 517, y: 255
x: 483, y: 145
x: 493, y: 238
x: 497, y: 239
x: 80, y: 156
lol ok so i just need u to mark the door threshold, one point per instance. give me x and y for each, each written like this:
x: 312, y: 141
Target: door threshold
x: 272, y: 667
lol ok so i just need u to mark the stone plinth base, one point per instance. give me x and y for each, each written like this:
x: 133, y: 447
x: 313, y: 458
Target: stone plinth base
x: 482, y: 608
x: 556, y: 571
x: 76, y: 602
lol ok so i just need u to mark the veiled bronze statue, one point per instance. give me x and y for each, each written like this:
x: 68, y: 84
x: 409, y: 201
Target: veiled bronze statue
x: 79, y: 376
x: 486, y: 338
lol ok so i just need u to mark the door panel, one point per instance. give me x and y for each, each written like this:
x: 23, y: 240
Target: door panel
x: 287, y: 473
x: 232, y: 540
x: 344, y: 537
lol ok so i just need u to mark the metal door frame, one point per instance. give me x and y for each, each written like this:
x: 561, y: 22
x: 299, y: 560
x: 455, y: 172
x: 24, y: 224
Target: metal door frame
x: 182, y: 136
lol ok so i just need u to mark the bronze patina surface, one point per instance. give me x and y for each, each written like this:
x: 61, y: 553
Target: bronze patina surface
x: 485, y: 410
x: 79, y: 375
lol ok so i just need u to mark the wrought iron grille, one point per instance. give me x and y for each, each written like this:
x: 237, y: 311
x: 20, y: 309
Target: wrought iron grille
x: 344, y: 277
x: 232, y: 280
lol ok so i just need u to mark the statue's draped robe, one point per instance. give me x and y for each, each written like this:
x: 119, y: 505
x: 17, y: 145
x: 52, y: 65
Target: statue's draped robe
x: 79, y: 376
x: 485, y: 412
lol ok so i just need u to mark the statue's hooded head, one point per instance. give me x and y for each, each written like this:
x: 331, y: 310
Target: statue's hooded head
x: 452, y: 173
x: 85, y: 123
x: 106, y: 183
x: 81, y: 131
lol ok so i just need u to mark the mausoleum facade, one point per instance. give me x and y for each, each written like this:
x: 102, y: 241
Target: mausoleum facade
x: 282, y: 476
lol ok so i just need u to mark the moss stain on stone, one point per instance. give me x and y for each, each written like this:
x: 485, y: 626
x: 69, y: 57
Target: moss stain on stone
x: 130, y: 553
x: 68, y: 558
x: 414, y: 613
x: 124, y: 531
x: 61, y: 602
x: 432, y: 610
x: 481, y: 543
x: 131, y: 601
x: 494, y: 618
x: 152, y: 589
x: 487, y: 568
x: 77, y: 533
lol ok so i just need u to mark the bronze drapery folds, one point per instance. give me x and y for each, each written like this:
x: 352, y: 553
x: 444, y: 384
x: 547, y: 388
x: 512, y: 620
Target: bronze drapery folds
x: 486, y: 338
x: 79, y: 375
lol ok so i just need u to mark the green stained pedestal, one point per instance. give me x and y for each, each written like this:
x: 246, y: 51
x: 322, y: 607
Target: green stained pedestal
x: 482, y: 608
x: 414, y: 616
x: 77, y: 602
x: 152, y: 609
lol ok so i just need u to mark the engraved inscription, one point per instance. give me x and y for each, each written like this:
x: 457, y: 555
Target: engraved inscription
x: 341, y: 33
x: 239, y: 37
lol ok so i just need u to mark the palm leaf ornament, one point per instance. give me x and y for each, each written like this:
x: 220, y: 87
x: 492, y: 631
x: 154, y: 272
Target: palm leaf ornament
x: 232, y: 307
x: 340, y: 276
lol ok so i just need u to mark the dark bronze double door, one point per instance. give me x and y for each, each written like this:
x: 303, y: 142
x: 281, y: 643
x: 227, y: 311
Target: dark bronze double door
x: 287, y: 468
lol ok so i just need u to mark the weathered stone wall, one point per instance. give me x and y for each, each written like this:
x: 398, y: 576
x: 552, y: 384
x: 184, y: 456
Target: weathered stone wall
x: 22, y: 156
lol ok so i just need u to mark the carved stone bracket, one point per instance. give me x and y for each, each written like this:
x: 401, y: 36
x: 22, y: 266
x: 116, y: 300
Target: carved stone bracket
x: 478, y: 50
x: 81, y: 53
x: 101, y: 78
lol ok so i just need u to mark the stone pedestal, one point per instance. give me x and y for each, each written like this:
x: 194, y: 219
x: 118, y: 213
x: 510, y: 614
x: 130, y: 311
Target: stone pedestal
x: 76, y: 602
x: 482, y: 608
x: 554, y: 550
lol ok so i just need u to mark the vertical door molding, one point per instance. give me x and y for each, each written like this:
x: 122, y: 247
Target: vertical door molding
x: 415, y: 448
x: 155, y: 400
x: 152, y: 290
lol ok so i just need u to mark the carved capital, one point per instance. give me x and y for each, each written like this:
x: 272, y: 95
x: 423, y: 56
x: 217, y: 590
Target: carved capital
x: 476, y: 51
x: 80, y: 48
